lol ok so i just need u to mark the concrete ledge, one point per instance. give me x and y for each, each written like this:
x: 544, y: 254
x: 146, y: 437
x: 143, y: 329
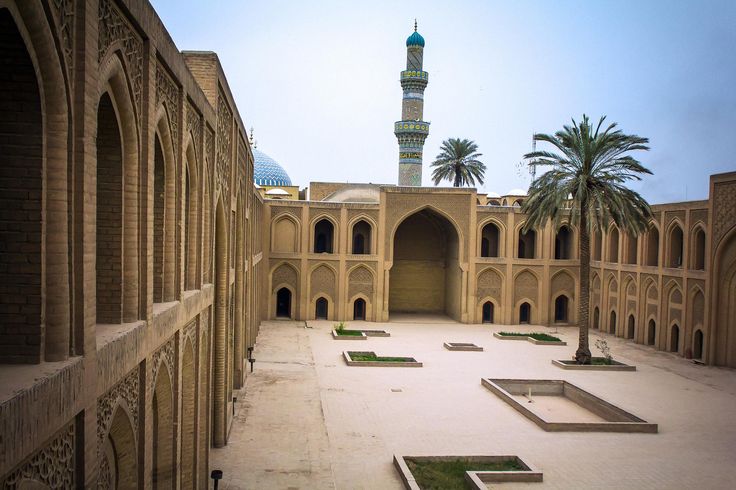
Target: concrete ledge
x: 615, y: 418
x: 463, y: 346
x: 572, y: 365
x: 528, y: 339
x: 350, y: 362
x: 375, y: 333
x: 475, y: 479
x: 337, y: 336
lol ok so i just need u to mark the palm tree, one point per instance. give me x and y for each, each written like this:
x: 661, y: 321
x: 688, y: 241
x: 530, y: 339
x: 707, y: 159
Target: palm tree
x: 586, y: 180
x: 458, y: 162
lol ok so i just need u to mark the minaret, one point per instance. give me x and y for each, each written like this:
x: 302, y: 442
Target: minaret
x: 411, y: 131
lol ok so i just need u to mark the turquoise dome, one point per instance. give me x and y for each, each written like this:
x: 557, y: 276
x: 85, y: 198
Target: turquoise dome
x: 415, y: 39
x: 267, y: 172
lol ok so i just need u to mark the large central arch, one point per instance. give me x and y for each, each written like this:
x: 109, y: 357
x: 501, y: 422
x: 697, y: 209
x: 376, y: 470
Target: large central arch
x: 426, y: 275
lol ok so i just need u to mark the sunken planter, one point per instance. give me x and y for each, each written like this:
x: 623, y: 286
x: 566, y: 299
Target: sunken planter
x: 471, y: 471
x: 463, y: 346
x: 597, y: 364
x: 557, y: 406
x: 348, y: 335
x: 377, y: 333
x: 370, y: 359
x: 533, y: 337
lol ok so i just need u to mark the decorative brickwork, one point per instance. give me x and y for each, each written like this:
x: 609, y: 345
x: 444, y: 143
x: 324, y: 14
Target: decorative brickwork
x: 167, y: 93
x: 490, y: 283
x: 525, y: 287
x: 284, y: 274
x: 115, y: 28
x: 360, y: 282
x: 224, y: 144
x: 128, y: 390
x: 53, y: 465
x: 63, y: 13
x: 165, y: 353
x: 323, y: 280
x: 724, y: 209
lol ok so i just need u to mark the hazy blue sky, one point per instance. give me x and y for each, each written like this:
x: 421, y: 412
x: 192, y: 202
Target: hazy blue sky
x: 319, y: 80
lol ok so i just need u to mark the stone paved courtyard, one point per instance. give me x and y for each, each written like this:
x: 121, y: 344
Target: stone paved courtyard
x: 309, y: 421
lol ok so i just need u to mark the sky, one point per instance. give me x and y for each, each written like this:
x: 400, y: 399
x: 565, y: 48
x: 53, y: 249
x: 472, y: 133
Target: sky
x: 319, y: 81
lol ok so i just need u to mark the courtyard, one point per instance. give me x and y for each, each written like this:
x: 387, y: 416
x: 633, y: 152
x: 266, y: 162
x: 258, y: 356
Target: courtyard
x: 308, y: 420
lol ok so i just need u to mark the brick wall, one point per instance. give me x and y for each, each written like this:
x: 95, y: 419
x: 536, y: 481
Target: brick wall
x: 20, y: 200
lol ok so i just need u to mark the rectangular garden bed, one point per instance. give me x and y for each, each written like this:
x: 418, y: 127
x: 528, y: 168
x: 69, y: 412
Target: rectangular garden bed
x: 594, y: 366
x: 367, y: 358
x: 461, y: 472
x: 348, y: 335
x: 534, y: 338
x: 557, y: 405
x: 463, y: 346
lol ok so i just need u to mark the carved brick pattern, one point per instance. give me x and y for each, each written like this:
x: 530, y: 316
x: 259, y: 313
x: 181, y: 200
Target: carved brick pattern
x: 671, y: 215
x: 194, y: 126
x: 167, y: 93
x: 697, y: 215
x: 652, y: 292
x: 209, y: 145
x: 113, y: 27
x: 676, y: 298
x: 631, y: 289
x: 127, y: 389
x: 190, y: 332
x: 242, y: 164
x: 224, y: 144
x: 165, y: 352
x: 360, y: 282
x: 613, y: 287
x: 563, y: 282
x: 525, y: 286
x: 284, y: 274
x: 724, y: 210
x: 698, y: 309
x: 52, y: 465
x: 64, y: 17
x: 104, y: 476
x: 323, y: 281
x: 489, y: 284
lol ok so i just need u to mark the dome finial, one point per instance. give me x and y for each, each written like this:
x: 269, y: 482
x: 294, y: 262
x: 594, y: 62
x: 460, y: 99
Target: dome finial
x: 415, y: 24
x: 253, y: 141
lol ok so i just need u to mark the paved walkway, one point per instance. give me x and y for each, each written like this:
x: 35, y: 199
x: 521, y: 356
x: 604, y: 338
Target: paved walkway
x: 309, y: 421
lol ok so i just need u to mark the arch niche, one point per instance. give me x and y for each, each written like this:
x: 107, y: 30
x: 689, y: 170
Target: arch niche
x: 724, y: 340
x: 426, y: 275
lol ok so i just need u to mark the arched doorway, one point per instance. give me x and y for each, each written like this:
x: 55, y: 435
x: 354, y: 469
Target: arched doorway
x: 283, y: 303
x: 362, y: 237
x: 630, y: 327
x: 724, y: 344
x: 675, y: 338
x: 561, y: 306
x: 563, y: 243
x: 489, y: 246
x: 651, y: 332
x: 525, y: 313
x: 426, y: 275
x: 320, y: 309
x: 612, y: 323
x: 596, y: 318
x: 323, y: 236
x: 698, y: 344
x: 526, y: 244
x: 118, y: 467
x: 488, y: 312
x: 359, y: 309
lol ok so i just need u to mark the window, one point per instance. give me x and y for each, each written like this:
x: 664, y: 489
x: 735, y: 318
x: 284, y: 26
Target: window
x: 675, y: 249
x: 323, y: 236
x: 362, y: 237
x: 489, y: 241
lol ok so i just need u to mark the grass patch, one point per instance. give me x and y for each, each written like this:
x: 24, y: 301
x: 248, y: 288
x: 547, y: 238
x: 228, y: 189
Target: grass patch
x: 370, y: 356
x: 352, y: 333
x: 601, y: 361
x: 534, y: 335
x: 450, y: 475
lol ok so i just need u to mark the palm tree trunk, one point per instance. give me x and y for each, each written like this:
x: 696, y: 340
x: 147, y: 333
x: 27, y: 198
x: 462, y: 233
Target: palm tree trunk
x: 582, y: 355
x: 457, y: 178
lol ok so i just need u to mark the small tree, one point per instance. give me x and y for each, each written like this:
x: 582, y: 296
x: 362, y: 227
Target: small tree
x: 458, y: 162
x: 586, y: 180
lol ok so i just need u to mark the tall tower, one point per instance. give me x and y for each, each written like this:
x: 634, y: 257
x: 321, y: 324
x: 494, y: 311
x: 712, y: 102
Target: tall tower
x: 411, y: 131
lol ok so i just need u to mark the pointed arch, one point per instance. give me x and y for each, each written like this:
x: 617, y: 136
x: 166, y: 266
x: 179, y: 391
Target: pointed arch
x: 675, y: 244
x: 285, y: 233
x: 164, y: 419
x: 191, y: 217
x: 165, y: 211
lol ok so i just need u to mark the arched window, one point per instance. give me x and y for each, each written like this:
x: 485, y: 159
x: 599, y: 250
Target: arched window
x: 359, y: 309
x: 675, y: 338
x: 698, y: 344
x: 630, y: 327
x: 612, y: 323
x: 323, y: 236
x: 698, y: 262
x: 283, y: 303
x: 597, y: 245
x: 632, y: 242
x: 563, y: 243
x: 675, y: 249
x: 527, y: 243
x: 561, y: 304
x: 488, y: 312
x: 362, y: 237
x: 525, y: 313
x: 651, y: 332
x: 596, y: 318
x: 613, y: 245
x: 652, y: 246
x: 490, y: 241
x: 320, y: 309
